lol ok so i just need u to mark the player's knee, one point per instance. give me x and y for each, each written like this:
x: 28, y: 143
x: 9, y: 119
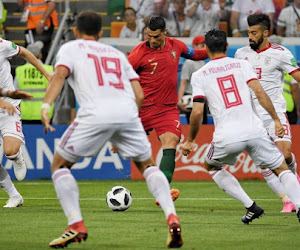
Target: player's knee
x: 287, y: 155
x: 144, y: 164
x: 281, y: 168
x: 10, y: 152
x: 210, y: 167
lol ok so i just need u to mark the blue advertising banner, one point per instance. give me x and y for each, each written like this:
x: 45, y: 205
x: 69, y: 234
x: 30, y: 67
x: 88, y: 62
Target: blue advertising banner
x: 39, y: 150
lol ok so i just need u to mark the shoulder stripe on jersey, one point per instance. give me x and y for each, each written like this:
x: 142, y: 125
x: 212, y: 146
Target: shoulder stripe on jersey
x: 199, y: 98
x: 19, y: 50
x: 134, y: 79
x: 62, y: 65
x: 251, y: 80
x: 276, y: 46
x: 294, y: 71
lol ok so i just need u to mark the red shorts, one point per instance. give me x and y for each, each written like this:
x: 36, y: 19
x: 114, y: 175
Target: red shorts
x: 162, y: 119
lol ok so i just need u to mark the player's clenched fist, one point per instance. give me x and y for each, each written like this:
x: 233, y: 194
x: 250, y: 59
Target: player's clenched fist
x: 187, y: 147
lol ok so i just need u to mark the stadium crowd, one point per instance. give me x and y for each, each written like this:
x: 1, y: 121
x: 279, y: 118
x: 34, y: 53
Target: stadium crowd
x: 189, y: 18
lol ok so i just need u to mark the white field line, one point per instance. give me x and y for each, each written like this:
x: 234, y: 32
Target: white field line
x: 102, y: 199
x: 127, y: 181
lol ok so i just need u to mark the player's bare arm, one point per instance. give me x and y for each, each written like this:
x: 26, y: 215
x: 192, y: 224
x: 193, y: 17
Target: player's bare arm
x: 139, y: 94
x: 55, y: 85
x: 29, y: 57
x: 296, y: 76
x: 15, y: 94
x: 195, y: 123
x: 266, y: 103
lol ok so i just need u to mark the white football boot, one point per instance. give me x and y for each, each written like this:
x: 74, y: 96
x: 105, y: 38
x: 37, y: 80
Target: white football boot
x: 20, y: 169
x: 14, y: 201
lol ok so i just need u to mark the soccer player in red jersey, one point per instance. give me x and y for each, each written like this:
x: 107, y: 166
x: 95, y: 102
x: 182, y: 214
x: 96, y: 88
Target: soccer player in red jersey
x: 156, y: 61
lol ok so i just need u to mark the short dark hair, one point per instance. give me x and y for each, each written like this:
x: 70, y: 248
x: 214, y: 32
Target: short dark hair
x: 216, y: 40
x: 89, y: 22
x: 156, y: 22
x: 128, y: 8
x: 259, y: 19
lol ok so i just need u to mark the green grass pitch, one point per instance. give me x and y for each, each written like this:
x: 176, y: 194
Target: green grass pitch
x: 210, y: 219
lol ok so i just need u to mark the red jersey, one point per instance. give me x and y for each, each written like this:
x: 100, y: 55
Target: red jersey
x: 158, y: 68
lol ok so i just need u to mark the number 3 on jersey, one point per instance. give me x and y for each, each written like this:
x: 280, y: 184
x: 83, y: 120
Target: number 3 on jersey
x: 229, y: 91
x: 105, y: 63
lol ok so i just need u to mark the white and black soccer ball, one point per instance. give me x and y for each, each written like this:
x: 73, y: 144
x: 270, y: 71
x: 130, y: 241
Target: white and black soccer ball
x: 188, y: 101
x: 118, y: 198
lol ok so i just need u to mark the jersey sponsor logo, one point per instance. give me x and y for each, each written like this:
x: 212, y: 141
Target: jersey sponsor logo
x: 71, y: 148
x: 294, y: 63
x: 246, y: 58
x: 150, y: 60
x: 14, y: 45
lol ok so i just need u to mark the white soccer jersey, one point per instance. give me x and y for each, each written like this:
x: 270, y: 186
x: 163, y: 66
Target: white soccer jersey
x: 204, y: 20
x: 7, y: 51
x: 100, y: 77
x: 288, y: 19
x: 223, y: 82
x: 248, y: 7
x: 269, y: 66
x: 128, y: 33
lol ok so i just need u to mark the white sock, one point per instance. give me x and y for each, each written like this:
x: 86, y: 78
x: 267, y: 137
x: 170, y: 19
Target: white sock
x: 68, y: 193
x: 230, y: 185
x: 291, y: 186
x: 6, y: 183
x: 159, y: 187
x: 274, y: 183
x: 293, y: 165
x: 15, y: 157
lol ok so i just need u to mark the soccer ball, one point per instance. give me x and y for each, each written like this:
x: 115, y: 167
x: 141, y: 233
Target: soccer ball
x: 118, y: 198
x: 188, y: 100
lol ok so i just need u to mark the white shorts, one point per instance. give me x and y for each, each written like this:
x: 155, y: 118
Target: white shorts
x: 270, y: 126
x: 263, y: 152
x: 86, y: 140
x: 11, y: 125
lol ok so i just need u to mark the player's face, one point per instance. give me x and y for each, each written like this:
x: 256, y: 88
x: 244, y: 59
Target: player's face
x: 256, y: 36
x: 130, y: 16
x: 156, y: 38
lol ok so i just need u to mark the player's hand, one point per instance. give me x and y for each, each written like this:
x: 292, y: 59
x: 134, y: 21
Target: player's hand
x: 187, y: 147
x: 46, y: 121
x: 6, y: 106
x: 39, y: 28
x: 114, y: 149
x: 17, y: 94
x: 48, y: 77
x: 279, y: 129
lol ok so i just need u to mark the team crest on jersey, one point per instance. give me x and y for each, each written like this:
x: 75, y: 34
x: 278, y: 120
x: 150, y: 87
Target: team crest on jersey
x: 246, y: 58
x: 267, y: 61
x: 174, y: 54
